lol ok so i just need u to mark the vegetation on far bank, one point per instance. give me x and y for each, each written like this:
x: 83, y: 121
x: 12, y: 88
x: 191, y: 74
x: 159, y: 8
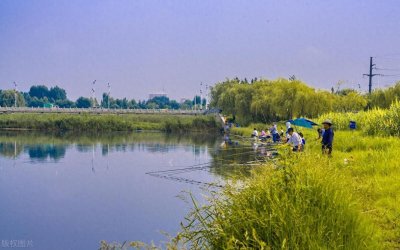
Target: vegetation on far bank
x: 276, y: 100
x: 375, y: 122
x: 42, y: 96
x: 108, y: 122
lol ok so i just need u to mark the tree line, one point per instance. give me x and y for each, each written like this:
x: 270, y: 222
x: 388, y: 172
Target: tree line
x: 262, y: 100
x: 42, y: 96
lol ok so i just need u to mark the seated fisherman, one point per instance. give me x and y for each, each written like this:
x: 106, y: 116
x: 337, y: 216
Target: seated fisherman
x: 295, y: 140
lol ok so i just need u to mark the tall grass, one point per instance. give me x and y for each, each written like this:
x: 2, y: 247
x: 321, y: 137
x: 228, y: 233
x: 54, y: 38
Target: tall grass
x: 381, y: 122
x: 308, y: 201
x: 293, y: 207
x: 87, y: 122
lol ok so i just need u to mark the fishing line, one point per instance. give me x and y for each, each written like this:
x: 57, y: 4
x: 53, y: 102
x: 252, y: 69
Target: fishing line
x: 170, y: 174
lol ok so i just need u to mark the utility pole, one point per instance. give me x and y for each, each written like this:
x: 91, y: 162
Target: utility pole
x: 15, y: 94
x: 108, y: 96
x: 93, y: 94
x: 201, y: 96
x: 370, y: 75
x: 206, y: 96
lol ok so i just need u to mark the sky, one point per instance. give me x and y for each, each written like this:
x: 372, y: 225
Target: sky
x: 147, y: 46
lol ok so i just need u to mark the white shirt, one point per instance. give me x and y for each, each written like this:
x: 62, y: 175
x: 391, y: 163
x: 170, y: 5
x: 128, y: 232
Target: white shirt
x: 295, y: 139
x: 255, y: 133
x: 287, y: 125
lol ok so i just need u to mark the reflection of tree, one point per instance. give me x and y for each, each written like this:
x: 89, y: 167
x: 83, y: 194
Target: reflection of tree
x: 83, y: 148
x: 42, y: 152
x: 10, y: 149
x: 38, y: 145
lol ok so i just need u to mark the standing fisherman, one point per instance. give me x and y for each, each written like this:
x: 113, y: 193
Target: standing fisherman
x: 327, y: 138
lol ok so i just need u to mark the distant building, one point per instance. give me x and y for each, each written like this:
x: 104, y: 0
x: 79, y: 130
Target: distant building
x: 161, y: 94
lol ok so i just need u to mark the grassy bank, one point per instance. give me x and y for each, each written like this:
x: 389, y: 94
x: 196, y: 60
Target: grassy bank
x: 87, y: 122
x: 306, y: 200
x: 309, y: 201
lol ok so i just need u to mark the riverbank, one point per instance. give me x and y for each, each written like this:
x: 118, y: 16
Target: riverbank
x: 305, y: 200
x: 108, y: 122
x: 349, y: 201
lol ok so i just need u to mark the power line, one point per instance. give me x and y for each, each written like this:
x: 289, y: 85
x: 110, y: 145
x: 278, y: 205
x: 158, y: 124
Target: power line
x: 391, y: 75
x: 383, y: 69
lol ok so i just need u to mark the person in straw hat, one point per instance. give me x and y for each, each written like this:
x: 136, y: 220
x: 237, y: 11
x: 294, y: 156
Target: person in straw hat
x: 327, y: 138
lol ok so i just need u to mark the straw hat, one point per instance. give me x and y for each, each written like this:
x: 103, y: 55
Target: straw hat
x: 327, y: 122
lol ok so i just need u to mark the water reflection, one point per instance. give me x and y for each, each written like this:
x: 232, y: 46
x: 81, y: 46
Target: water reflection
x: 53, y: 147
x: 69, y: 191
x: 44, y: 152
x: 224, y: 161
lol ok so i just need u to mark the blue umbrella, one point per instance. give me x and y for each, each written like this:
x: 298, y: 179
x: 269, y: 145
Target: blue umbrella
x: 302, y: 122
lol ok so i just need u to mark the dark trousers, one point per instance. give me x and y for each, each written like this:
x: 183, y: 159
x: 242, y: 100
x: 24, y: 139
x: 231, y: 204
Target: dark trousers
x: 327, y: 149
x: 275, y: 137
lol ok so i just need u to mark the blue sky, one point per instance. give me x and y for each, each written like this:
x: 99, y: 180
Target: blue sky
x: 146, y: 46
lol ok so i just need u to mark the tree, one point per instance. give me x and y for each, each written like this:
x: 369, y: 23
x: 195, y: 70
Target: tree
x: 57, y: 94
x: 7, y: 99
x: 174, y: 104
x: 39, y: 91
x: 65, y: 103
x: 187, y: 104
x: 161, y: 102
x: 132, y: 104
x: 83, y: 102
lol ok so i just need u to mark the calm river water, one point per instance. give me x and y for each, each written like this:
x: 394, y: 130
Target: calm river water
x: 69, y: 191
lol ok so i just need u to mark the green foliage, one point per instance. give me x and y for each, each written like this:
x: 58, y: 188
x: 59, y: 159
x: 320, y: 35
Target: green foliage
x: 383, y: 98
x: 282, y: 99
x: 7, y: 99
x: 57, y: 94
x: 381, y: 122
x: 39, y: 91
x: 83, y: 102
x: 86, y: 122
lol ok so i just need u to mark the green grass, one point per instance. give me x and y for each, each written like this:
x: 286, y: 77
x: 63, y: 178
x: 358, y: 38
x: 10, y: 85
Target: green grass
x: 308, y: 201
x: 87, y: 122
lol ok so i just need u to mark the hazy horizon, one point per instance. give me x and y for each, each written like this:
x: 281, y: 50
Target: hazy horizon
x: 142, y: 47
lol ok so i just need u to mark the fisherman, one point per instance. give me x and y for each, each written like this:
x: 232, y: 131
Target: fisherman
x: 327, y: 138
x: 274, y: 132
x: 295, y: 140
x: 263, y: 136
x: 255, y: 133
x: 303, y: 141
x: 288, y: 125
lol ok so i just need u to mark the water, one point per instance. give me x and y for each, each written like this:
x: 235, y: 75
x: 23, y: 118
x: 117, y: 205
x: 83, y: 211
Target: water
x: 68, y: 191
